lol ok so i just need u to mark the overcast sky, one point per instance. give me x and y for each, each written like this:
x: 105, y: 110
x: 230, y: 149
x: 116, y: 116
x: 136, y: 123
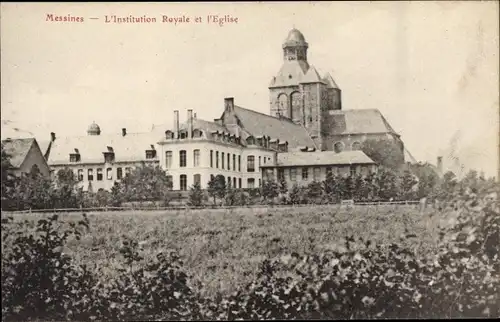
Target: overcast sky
x: 432, y: 69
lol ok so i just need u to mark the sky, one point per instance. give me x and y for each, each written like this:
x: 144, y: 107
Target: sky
x: 431, y: 68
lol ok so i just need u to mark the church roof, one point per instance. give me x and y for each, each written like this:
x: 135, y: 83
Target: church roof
x: 291, y: 73
x: 131, y: 147
x: 17, y: 149
x: 321, y: 158
x: 328, y: 79
x: 359, y: 122
x: 257, y: 124
x: 312, y: 76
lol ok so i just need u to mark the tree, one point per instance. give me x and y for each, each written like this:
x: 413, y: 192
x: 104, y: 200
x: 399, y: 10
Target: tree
x: 66, y: 194
x: 314, y: 192
x: 427, y: 179
x: 195, y: 198
x: 116, y: 196
x: 386, y: 183
x: 217, y: 187
x: 33, y: 191
x: 270, y: 190
x: 386, y: 153
x: 8, y: 181
x: 146, y: 183
x: 295, y: 196
x: 361, y: 189
x: 408, y: 182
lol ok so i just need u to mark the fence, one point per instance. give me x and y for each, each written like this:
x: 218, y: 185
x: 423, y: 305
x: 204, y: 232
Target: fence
x: 158, y: 208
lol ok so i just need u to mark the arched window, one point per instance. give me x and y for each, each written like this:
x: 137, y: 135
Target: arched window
x: 168, y: 159
x: 250, y: 140
x: 182, y: 158
x: 197, y: 133
x: 283, y: 105
x: 356, y: 146
x: 183, y: 134
x: 196, y: 158
x: 338, y: 147
x: 296, y: 113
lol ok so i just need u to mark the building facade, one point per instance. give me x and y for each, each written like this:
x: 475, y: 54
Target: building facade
x: 306, y: 134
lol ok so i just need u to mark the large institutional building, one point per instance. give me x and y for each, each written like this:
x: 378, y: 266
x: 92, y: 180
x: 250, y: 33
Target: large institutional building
x: 306, y: 134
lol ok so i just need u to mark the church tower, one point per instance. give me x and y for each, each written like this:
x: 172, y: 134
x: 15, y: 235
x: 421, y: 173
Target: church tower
x: 300, y: 94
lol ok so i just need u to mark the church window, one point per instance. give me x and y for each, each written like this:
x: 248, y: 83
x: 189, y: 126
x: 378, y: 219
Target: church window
x: 250, y: 163
x: 168, y: 159
x: 338, y: 147
x: 99, y: 174
x: 183, y: 180
x: 182, y: 158
x: 356, y: 146
x: 283, y: 104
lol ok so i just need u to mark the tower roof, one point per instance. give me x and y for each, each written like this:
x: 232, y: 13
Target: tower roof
x: 94, y: 129
x: 295, y: 38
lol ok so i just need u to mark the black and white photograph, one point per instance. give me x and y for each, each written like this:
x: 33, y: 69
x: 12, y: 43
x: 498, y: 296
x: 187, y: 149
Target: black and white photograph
x: 250, y: 160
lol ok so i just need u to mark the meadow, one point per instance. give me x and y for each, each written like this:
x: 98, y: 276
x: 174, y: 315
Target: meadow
x: 222, y: 249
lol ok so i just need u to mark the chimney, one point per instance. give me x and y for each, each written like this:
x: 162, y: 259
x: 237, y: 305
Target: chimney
x: 190, y: 123
x: 124, y: 131
x: 229, y: 104
x: 176, y: 124
x: 440, y: 164
x: 52, y: 136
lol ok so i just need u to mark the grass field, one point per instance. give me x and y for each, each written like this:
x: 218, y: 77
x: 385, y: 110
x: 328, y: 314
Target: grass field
x: 224, y: 248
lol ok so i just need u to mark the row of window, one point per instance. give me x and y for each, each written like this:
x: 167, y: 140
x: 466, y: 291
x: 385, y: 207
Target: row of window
x: 225, y: 156
x: 99, y: 174
x: 226, y: 161
x: 110, y: 156
x: 231, y: 181
x: 305, y: 173
x: 182, y: 158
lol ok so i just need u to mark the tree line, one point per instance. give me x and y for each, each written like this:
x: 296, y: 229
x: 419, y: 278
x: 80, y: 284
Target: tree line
x: 150, y: 184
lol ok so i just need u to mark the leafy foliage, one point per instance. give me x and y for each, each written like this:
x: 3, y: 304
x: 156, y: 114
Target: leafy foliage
x: 217, y: 187
x: 195, y: 195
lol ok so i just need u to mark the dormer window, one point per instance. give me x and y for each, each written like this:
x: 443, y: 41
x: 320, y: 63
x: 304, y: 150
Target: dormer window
x: 150, y: 154
x: 74, y: 157
x: 109, y: 156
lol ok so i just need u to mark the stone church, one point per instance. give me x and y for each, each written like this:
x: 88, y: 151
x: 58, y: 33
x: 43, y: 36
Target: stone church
x: 306, y: 135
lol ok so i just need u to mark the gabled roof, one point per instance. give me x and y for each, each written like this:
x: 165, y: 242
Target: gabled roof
x: 44, y: 146
x: 321, y: 158
x: 17, y: 149
x: 312, y: 76
x: 291, y: 73
x: 359, y: 122
x: 328, y: 79
x: 257, y: 124
x: 131, y: 147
